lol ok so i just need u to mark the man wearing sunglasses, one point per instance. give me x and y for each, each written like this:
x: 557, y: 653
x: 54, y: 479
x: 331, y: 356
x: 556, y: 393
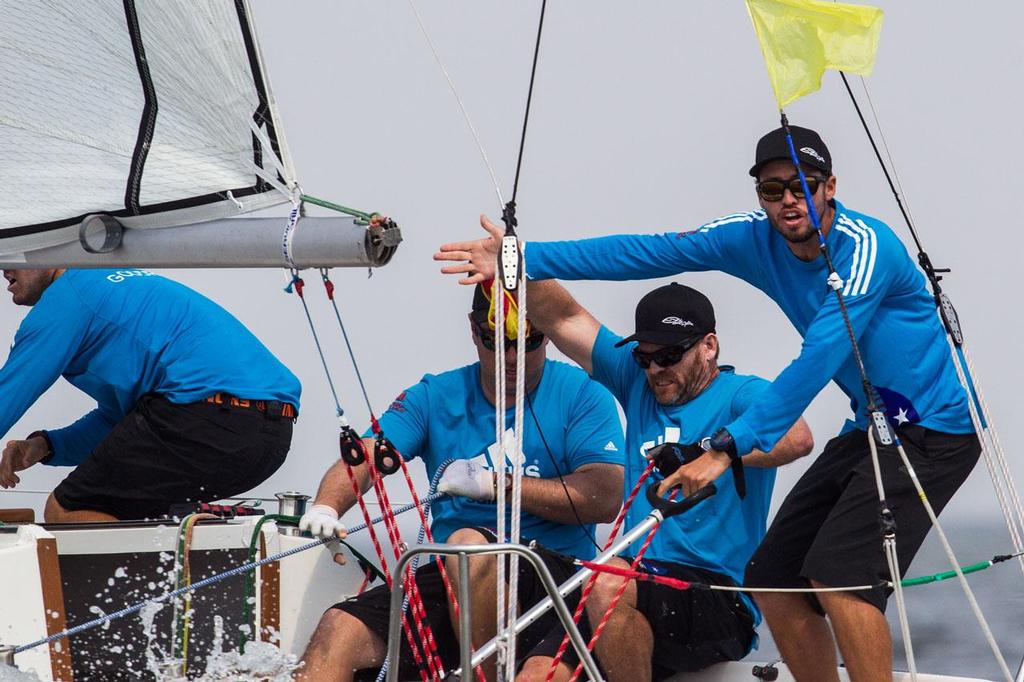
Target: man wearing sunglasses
x: 668, y: 381
x: 826, y: 533
x: 573, y: 449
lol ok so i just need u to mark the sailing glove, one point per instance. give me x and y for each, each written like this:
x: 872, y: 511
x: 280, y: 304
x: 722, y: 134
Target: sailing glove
x: 322, y: 522
x: 467, y: 479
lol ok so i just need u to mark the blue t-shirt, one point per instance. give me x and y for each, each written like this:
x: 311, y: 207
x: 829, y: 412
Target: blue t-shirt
x: 721, y: 533
x: 893, y: 315
x: 119, y: 334
x: 446, y: 416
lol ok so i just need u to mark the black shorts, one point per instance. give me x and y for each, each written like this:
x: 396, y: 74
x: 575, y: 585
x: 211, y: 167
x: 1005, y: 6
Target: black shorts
x: 373, y: 608
x: 692, y: 629
x: 163, y: 453
x: 828, y: 530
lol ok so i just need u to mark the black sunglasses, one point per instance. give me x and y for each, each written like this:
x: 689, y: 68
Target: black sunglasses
x: 488, y: 340
x: 664, y: 357
x: 772, y: 190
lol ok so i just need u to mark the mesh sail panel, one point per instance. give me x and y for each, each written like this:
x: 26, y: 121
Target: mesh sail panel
x: 157, y: 113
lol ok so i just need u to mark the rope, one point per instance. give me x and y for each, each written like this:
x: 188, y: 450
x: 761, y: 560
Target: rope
x: 678, y: 584
x: 185, y: 578
x: 329, y: 288
x: 216, y: 578
x: 517, y: 473
x: 383, y: 562
x: 298, y: 285
x: 500, y: 468
x: 978, y: 409
x: 338, y: 207
x: 592, y: 580
x: 458, y: 99
x: 618, y: 594
x: 529, y: 99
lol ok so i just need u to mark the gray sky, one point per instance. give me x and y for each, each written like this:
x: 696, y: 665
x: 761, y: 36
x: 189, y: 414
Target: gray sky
x: 645, y: 117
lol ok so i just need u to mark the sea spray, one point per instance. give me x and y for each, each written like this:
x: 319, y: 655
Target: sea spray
x: 9, y: 674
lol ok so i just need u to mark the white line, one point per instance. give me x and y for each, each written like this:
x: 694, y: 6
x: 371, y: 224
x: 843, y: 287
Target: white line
x: 840, y: 225
x: 874, y: 252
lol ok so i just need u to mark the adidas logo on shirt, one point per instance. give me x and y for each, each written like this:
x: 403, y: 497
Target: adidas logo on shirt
x: 611, y: 447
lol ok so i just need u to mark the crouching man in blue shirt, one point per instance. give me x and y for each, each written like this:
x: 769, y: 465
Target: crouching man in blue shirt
x: 190, y: 405
x: 667, y: 378
x: 573, y: 455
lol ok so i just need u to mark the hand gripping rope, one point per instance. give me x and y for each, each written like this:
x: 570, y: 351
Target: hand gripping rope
x: 880, y: 427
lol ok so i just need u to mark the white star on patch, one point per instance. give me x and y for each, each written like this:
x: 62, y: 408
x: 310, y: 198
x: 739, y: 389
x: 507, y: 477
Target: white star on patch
x: 901, y: 417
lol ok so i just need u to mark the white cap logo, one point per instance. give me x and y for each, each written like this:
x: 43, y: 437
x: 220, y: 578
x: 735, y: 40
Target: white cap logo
x: 676, y: 321
x: 810, y: 152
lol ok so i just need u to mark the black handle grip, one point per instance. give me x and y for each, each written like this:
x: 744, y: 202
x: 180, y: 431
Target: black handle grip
x: 353, y: 452
x: 385, y: 457
x: 668, y: 457
x: 669, y: 508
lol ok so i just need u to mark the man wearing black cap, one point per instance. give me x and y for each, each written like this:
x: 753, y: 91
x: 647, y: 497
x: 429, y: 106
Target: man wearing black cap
x: 826, y: 533
x: 667, y: 378
x: 573, y: 452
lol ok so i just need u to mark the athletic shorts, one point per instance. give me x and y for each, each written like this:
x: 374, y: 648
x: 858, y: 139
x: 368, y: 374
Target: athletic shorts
x: 373, y: 608
x: 692, y: 629
x: 828, y: 529
x: 163, y: 453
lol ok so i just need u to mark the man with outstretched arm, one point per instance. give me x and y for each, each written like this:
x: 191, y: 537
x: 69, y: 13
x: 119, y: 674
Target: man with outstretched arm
x: 191, y: 407
x: 668, y: 381
x: 573, y: 449
x: 826, y: 533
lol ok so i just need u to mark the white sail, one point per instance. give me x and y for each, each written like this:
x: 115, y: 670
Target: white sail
x: 156, y: 113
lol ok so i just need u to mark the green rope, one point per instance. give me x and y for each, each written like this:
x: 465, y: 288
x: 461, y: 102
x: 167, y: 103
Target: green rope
x: 946, y: 575
x: 338, y: 207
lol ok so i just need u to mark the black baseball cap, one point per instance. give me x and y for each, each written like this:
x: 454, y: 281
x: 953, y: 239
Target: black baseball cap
x: 810, y: 149
x: 671, y: 315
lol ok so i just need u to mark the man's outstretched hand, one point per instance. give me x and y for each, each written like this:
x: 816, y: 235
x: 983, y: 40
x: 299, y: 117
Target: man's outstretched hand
x: 475, y: 259
x: 19, y: 455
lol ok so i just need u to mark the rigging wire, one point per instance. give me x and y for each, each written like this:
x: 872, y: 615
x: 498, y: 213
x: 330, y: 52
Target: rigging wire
x: 458, y: 98
x: 529, y: 100
x: 558, y: 472
x: 995, y: 459
x: 888, y: 436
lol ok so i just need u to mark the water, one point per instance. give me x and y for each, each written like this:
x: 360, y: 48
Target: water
x: 947, y: 638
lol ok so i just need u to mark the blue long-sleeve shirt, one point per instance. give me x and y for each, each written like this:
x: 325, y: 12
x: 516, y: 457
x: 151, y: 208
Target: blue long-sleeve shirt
x: 118, y: 335
x: 893, y: 315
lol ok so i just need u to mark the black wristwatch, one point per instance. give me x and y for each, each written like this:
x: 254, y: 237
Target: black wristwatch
x: 49, y: 445
x: 722, y: 441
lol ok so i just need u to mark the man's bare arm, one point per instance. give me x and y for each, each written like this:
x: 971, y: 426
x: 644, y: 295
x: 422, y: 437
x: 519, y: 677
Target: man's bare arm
x: 596, y: 491
x: 797, y: 443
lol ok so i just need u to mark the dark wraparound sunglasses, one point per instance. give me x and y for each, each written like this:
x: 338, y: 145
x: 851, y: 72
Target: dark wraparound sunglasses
x: 772, y: 190
x: 488, y: 340
x: 664, y: 357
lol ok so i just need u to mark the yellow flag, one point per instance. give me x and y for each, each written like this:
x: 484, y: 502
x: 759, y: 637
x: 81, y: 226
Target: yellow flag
x: 802, y: 38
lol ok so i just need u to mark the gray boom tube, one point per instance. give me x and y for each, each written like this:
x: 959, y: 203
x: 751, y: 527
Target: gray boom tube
x: 317, y: 242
